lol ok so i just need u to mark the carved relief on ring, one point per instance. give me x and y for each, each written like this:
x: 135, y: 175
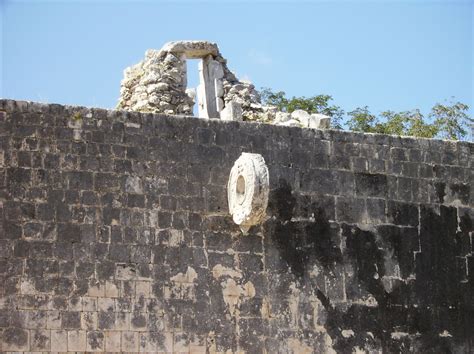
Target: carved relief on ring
x: 247, y: 190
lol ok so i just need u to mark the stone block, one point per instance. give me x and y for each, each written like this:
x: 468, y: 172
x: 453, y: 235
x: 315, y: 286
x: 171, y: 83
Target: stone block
x: 219, y: 104
x: 156, y: 342
x: 80, y: 180
x: 40, y: 340
x: 119, y: 253
x: 302, y: 117
x: 359, y: 164
x: 68, y: 232
x: 89, y: 320
x: 105, y: 269
x: 319, y: 121
x: 350, y: 210
x: 113, y: 341
x: 215, y: 70
x: 111, y: 289
x: 122, y: 321
x: 36, y: 319
x: 71, y: 320
x: 96, y: 289
x: 399, y: 154
x: 400, y: 213
x: 15, y: 339
x: 130, y: 341
x: 143, y: 288
x: 11, y: 231
x: 138, y: 321
x: 404, y: 191
x: 76, y: 341
x: 375, y: 211
x: 106, y: 304
x: 54, y: 320
x: 125, y: 271
x: 376, y: 166
x: 106, y: 320
x: 371, y: 185
x: 231, y: 111
x: 59, y: 340
x: 95, y: 341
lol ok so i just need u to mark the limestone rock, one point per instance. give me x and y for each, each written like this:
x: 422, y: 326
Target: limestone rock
x: 319, y: 121
x: 301, y: 116
x: 154, y: 99
x: 232, y: 111
x: 157, y: 87
x: 291, y: 123
x: 192, y: 49
x: 281, y: 117
x: 247, y: 190
x: 191, y: 92
x: 219, y: 87
x: 219, y: 104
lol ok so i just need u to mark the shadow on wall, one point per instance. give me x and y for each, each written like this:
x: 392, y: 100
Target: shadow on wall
x: 429, y: 308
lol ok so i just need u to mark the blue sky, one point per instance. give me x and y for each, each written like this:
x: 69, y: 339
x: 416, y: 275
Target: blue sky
x: 395, y: 55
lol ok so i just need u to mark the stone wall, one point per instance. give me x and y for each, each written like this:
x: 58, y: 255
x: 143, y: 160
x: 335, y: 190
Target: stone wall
x: 116, y: 237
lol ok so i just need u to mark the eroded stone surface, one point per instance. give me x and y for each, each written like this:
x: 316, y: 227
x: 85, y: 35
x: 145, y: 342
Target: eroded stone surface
x: 192, y: 49
x: 247, y: 190
x: 232, y: 111
x: 119, y: 238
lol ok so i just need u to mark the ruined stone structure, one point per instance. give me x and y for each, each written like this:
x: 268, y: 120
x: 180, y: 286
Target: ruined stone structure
x: 159, y: 85
x: 115, y: 235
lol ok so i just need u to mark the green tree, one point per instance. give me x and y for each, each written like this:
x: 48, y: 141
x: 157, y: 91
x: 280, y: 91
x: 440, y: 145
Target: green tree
x: 409, y: 123
x: 315, y: 104
x: 419, y: 127
x: 452, y: 120
x: 276, y: 99
x: 361, y: 120
x: 448, y: 121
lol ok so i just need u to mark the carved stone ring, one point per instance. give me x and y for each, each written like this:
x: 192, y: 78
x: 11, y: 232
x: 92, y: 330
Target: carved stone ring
x: 247, y: 190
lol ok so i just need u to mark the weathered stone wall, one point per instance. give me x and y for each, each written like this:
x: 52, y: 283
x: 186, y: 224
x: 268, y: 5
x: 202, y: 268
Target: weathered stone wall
x: 116, y: 236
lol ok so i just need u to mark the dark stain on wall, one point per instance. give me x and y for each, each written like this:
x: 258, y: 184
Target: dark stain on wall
x: 440, y: 188
x: 301, y: 243
x: 431, y: 306
x: 460, y: 191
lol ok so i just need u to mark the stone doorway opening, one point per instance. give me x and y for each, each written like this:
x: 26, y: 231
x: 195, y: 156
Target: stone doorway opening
x: 192, y: 72
x: 209, y: 92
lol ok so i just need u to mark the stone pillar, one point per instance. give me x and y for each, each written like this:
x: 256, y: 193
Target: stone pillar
x: 210, y: 89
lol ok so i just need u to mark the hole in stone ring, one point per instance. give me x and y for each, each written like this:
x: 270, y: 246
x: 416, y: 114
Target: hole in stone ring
x: 240, y: 189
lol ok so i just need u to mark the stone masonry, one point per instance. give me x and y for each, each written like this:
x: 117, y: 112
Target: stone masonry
x: 158, y: 83
x: 115, y: 235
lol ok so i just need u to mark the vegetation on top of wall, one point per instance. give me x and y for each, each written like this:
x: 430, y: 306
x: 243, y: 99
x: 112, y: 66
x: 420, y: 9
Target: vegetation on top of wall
x: 77, y: 116
x: 446, y: 121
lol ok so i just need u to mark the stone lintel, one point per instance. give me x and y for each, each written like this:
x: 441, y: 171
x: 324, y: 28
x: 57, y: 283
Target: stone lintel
x: 192, y: 49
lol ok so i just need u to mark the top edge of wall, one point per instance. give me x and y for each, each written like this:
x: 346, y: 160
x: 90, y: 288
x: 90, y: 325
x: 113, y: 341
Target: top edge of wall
x: 13, y: 105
